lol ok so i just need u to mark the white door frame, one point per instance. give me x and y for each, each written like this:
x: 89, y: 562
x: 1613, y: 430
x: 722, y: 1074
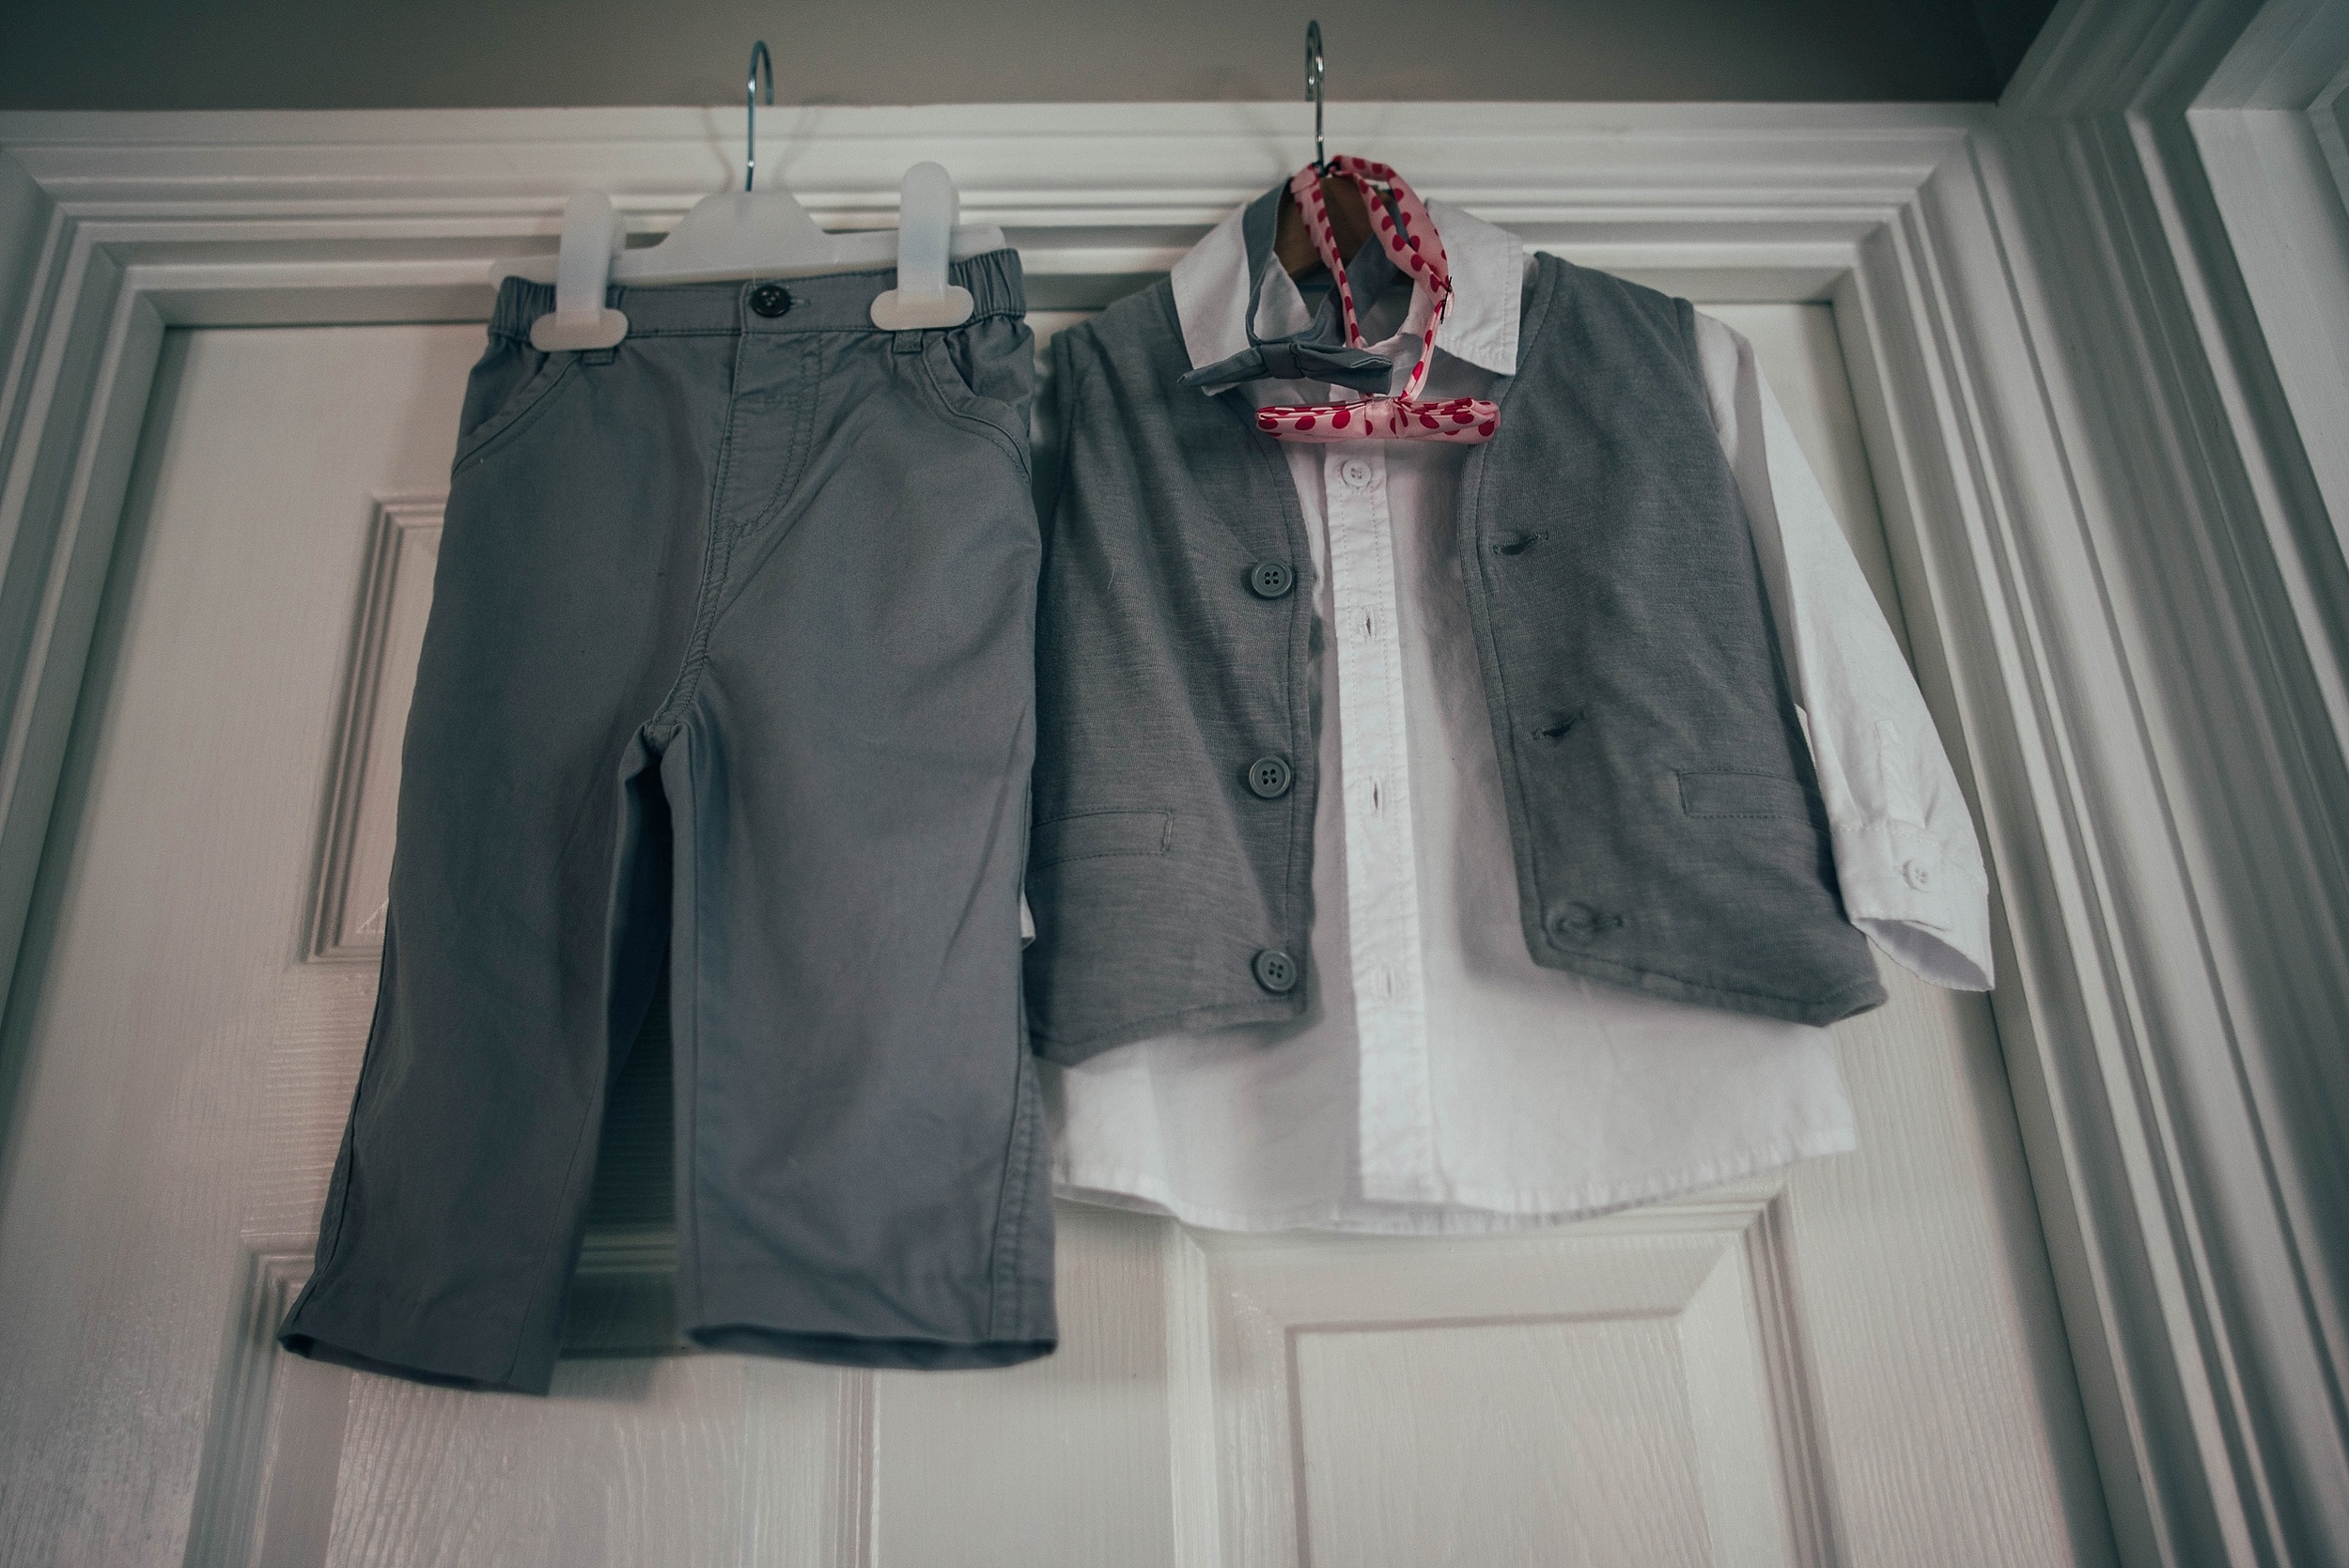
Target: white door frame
x: 2121, y: 591
x: 2163, y: 172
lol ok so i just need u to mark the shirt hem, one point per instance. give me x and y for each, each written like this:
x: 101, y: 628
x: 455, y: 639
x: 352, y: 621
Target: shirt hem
x: 1467, y: 1208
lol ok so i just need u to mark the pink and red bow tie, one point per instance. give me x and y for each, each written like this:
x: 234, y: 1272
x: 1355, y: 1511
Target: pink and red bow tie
x: 1411, y: 240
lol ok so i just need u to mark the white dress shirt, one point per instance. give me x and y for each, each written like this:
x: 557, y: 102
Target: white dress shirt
x: 1439, y: 1078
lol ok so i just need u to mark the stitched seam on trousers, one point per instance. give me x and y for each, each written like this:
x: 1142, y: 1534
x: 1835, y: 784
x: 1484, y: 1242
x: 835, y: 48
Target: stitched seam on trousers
x: 334, y: 1239
x: 687, y: 1108
x: 994, y: 432
x: 671, y: 714
x: 585, y: 1140
x: 717, y: 551
x: 803, y: 438
x: 532, y: 398
x: 795, y: 465
x: 1015, y: 1217
x: 1011, y: 1204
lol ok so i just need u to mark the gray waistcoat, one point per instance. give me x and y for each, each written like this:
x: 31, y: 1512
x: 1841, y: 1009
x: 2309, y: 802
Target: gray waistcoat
x: 1667, y: 826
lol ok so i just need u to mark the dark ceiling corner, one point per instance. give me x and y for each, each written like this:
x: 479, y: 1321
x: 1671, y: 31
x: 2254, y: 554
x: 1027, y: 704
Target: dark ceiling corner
x: 147, y: 55
x: 2008, y: 27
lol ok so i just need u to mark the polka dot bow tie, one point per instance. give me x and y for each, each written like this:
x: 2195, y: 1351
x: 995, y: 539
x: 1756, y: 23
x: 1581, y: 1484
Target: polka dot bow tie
x: 1408, y: 236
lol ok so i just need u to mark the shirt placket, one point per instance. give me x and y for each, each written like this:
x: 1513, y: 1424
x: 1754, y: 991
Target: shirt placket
x: 1396, y: 1127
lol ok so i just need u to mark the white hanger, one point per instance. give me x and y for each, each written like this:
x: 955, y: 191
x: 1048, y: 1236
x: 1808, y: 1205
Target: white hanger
x: 579, y: 320
x: 747, y: 234
x: 927, y: 205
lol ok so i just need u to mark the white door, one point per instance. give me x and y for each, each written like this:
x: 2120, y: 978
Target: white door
x: 1859, y: 1363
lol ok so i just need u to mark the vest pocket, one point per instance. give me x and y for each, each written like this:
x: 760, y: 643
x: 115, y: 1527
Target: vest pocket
x: 1093, y: 834
x: 1747, y: 795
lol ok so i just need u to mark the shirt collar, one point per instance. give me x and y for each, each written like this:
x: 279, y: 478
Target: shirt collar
x: 1488, y: 273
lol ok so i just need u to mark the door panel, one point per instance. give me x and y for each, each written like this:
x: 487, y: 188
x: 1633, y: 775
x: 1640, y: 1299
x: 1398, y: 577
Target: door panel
x: 1609, y: 1392
x: 1858, y: 1362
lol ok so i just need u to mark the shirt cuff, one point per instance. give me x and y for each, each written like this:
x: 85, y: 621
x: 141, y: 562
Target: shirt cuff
x: 1928, y: 907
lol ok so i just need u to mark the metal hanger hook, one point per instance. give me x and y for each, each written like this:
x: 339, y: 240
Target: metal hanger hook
x: 761, y: 60
x: 1313, y: 90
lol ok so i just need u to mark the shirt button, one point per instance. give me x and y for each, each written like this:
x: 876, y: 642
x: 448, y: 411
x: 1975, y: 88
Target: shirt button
x: 1276, y: 971
x: 1268, y: 777
x: 771, y: 299
x: 1354, y: 471
x: 1919, y: 876
x: 1270, y: 580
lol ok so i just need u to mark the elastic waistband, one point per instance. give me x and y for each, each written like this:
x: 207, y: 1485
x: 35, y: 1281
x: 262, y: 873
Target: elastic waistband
x: 831, y: 302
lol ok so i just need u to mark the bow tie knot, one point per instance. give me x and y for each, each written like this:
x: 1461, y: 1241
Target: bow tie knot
x: 1292, y: 360
x: 1411, y: 247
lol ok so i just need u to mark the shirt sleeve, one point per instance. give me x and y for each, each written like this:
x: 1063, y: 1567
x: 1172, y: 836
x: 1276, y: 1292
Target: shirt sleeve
x: 1905, y: 855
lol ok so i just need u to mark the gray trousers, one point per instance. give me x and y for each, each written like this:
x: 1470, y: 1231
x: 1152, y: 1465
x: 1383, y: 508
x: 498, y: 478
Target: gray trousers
x: 730, y: 667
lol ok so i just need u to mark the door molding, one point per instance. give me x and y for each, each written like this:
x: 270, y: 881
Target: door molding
x: 2164, y: 174
x: 2136, y: 1025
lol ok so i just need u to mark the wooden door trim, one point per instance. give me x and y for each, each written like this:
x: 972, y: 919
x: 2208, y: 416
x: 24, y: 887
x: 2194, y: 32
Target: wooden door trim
x: 2155, y: 262
x: 2054, y: 675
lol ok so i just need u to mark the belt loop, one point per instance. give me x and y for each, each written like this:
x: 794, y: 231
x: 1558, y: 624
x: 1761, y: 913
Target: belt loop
x: 907, y: 342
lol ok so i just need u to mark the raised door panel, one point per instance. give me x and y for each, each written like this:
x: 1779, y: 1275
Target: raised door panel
x: 1617, y: 1392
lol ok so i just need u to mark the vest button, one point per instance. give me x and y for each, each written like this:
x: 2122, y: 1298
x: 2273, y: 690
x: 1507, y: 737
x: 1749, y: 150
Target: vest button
x: 1276, y: 971
x: 771, y: 299
x: 1270, y: 580
x: 1268, y: 778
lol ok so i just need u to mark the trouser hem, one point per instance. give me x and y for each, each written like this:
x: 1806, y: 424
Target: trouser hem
x: 858, y: 1350
x: 534, y: 1376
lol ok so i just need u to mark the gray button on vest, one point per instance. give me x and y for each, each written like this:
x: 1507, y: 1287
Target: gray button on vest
x: 1268, y: 777
x: 771, y: 299
x: 1270, y: 580
x: 1276, y: 971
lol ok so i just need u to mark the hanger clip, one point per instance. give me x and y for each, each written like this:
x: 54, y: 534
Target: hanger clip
x: 592, y: 232
x: 928, y: 206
